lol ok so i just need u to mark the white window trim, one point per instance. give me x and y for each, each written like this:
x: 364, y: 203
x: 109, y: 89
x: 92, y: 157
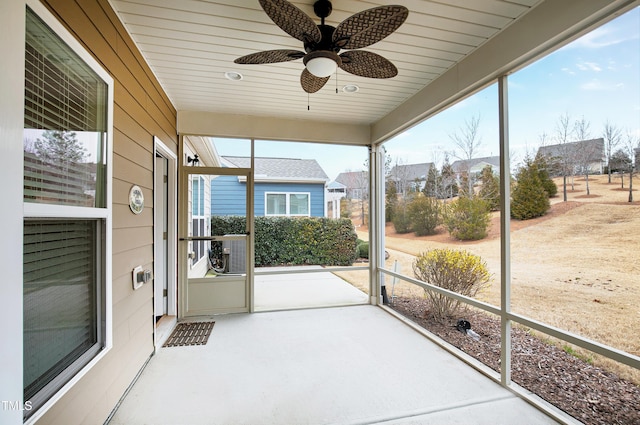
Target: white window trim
x: 287, y: 203
x: 196, y: 206
x: 56, y: 211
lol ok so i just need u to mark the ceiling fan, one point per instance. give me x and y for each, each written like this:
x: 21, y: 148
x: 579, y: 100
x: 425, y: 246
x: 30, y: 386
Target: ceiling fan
x: 322, y: 42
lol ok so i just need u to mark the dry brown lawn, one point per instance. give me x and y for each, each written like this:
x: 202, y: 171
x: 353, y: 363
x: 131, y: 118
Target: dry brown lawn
x: 577, y: 268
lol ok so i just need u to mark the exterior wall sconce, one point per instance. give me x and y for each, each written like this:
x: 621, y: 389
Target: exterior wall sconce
x: 193, y: 161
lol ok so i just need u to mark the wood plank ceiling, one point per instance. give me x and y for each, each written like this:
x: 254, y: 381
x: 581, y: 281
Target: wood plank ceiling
x: 190, y: 44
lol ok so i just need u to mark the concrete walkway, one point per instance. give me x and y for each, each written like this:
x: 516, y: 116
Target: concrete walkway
x: 303, y: 290
x: 347, y: 365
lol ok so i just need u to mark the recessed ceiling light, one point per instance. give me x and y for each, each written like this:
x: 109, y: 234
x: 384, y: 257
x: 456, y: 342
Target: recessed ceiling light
x: 233, y: 76
x: 350, y: 88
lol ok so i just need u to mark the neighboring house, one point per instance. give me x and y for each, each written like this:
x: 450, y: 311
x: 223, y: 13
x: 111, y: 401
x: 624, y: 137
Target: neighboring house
x: 475, y: 166
x: 283, y: 187
x: 335, y: 192
x: 584, y: 156
x: 356, y: 183
x: 410, y: 177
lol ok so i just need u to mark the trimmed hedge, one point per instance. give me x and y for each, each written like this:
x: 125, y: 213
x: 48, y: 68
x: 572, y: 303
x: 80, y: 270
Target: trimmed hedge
x: 295, y: 240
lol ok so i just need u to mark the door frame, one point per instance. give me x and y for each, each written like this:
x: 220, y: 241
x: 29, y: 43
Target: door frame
x: 183, y: 225
x: 172, y: 227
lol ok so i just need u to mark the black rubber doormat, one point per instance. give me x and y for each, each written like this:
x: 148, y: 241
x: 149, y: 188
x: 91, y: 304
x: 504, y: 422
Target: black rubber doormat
x: 193, y: 333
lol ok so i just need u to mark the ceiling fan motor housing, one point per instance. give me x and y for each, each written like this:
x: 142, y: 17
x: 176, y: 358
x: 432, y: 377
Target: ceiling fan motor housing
x: 322, y: 8
x: 325, y: 43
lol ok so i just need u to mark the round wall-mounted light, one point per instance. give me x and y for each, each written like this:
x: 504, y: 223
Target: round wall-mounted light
x: 322, y: 63
x: 233, y: 76
x: 350, y: 88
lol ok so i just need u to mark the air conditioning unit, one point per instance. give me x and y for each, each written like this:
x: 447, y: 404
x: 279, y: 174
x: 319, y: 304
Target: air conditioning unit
x: 237, y: 250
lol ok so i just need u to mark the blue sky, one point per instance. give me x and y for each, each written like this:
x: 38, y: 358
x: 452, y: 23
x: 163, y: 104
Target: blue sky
x: 595, y: 78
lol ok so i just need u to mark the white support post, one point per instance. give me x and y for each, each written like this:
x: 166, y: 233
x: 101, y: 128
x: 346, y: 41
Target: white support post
x: 376, y: 225
x: 505, y: 235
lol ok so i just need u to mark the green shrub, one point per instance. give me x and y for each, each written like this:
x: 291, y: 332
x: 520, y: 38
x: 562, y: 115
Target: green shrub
x: 295, y: 241
x: 424, y: 215
x: 362, y: 249
x: 401, y: 221
x: 455, y: 270
x: 467, y: 219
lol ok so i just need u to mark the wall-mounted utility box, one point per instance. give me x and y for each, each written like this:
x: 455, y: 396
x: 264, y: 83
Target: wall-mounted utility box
x: 140, y: 277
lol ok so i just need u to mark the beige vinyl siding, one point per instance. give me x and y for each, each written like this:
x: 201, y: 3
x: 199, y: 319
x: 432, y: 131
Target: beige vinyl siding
x: 141, y: 111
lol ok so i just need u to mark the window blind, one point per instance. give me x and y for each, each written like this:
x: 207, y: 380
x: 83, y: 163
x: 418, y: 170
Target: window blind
x: 65, y: 123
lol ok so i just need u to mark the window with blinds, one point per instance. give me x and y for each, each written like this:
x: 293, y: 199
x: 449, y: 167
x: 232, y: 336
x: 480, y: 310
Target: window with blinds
x: 60, y: 300
x: 65, y: 119
x: 65, y: 261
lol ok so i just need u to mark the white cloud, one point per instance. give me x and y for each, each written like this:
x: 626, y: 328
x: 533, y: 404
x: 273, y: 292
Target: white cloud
x: 598, y: 85
x: 568, y: 71
x: 589, y: 66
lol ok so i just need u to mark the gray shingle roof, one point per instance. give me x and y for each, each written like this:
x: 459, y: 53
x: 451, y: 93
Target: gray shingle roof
x: 281, y: 168
x: 593, y: 148
x: 352, y: 179
x: 411, y: 172
x: 466, y: 164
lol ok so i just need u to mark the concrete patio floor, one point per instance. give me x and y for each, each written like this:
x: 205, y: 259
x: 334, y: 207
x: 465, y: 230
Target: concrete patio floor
x: 343, y: 365
x: 303, y: 290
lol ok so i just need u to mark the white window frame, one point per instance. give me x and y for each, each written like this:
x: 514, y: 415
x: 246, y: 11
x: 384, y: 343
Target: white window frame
x: 287, y: 203
x: 35, y: 210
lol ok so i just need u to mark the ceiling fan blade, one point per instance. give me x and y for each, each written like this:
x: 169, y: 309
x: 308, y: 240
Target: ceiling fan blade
x: 270, y: 56
x: 369, y: 26
x: 367, y: 64
x: 292, y: 20
x: 310, y: 83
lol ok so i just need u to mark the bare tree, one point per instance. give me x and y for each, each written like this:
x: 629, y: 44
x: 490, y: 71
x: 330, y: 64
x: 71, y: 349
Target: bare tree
x: 469, y: 142
x: 400, y: 174
x: 612, y: 136
x: 581, y: 129
x: 563, y: 135
x: 631, y: 143
x: 584, y: 157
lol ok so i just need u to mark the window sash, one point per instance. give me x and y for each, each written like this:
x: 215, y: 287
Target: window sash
x: 288, y: 204
x: 61, y: 297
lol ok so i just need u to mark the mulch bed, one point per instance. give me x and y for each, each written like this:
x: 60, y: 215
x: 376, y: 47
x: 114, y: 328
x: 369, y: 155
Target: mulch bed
x: 588, y: 393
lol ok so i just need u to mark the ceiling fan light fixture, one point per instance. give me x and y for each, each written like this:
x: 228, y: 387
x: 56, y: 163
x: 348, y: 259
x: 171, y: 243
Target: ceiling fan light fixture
x: 322, y: 63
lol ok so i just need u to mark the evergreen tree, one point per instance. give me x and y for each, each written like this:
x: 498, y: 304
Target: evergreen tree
x: 60, y: 147
x: 529, y: 199
x: 448, y: 178
x: 433, y: 184
x: 391, y: 200
x: 490, y: 189
x: 542, y: 166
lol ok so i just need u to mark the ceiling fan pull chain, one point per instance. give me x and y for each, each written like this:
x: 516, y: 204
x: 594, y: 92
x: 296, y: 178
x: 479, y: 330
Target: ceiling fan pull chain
x: 308, y: 107
x: 336, y: 80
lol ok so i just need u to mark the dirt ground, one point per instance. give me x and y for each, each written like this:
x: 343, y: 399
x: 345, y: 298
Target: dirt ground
x: 576, y: 268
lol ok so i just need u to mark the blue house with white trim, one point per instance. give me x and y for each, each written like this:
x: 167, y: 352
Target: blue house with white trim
x: 283, y: 187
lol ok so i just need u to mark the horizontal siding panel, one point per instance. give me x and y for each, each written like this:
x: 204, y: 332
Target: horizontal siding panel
x: 132, y: 172
x: 124, y: 218
x: 228, y: 196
